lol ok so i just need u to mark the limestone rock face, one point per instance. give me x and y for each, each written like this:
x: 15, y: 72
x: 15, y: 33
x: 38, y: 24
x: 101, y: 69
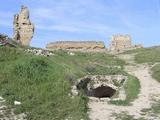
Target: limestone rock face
x: 23, y: 28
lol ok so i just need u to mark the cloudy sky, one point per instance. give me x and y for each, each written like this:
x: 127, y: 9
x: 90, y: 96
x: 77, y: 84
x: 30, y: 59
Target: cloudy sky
x: 86, y: 19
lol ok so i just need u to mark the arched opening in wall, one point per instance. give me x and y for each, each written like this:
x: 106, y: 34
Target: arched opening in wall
x: 101, y: 92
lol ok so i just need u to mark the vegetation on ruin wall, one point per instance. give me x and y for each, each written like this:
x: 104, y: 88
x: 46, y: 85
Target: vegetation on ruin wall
x: 42, y: 84
x: 151, y: 56
x: 132, y: 88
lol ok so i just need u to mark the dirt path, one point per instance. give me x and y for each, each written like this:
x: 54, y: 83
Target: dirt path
x: 150, y: 89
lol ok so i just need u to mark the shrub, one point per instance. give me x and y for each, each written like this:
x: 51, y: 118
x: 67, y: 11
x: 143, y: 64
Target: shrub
x: 90, y: 68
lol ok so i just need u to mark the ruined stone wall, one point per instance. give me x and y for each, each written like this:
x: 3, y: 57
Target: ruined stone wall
x: 22, y: 27
x: 120, y: 42
x: 76, y: 45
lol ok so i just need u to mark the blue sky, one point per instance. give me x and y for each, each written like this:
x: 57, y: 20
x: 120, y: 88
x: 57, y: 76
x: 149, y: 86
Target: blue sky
x: 86, y: 19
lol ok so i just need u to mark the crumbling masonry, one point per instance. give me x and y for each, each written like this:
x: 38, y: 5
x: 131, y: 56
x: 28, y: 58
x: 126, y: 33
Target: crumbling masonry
x: 22, y: 27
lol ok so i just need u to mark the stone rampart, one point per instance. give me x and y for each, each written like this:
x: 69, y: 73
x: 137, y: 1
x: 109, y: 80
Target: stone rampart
x: 76, y: 45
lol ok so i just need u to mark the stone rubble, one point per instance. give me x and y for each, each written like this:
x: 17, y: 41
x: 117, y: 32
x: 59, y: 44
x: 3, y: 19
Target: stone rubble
x: 4, y: 40
x: 91, y: 83
x: 71, y: 53
x: 17, y: 103
x: 40, y: 52
x: 7, y: 113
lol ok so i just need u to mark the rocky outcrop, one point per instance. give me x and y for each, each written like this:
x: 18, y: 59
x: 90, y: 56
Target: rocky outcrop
x: 99, y: 85
x: 23, y: 28
x: 4, y: 39
x: 76, y: 45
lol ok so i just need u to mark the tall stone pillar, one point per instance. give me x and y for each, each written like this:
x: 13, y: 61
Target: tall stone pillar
x: 23, y: 29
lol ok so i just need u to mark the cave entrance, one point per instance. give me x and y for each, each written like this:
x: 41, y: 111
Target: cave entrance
x: 101, y: 92
x: 87, y: 86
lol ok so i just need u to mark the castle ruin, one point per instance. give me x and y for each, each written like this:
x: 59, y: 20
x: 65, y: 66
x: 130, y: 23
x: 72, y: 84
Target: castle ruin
x: 76, y: 45
x: 22, y: 27
x: 122, y: 42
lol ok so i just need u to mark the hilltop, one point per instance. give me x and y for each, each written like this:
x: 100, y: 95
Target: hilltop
x: 79, y: 80
x: 43, y: 85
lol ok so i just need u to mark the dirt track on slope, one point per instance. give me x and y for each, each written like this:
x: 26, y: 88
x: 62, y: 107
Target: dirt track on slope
x: 150, y: 89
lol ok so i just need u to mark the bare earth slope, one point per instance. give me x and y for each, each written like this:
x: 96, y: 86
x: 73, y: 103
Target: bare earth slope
x: 150, y: 90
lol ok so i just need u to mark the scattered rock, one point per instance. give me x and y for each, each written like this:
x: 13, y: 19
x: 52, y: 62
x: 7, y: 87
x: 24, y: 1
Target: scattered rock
x: 74, y: 91
x: 1, y: 98
x: 40, y: 52
x: 7, y: 113
x: 104, y: 99
x: 17, y: 103
x: 71, y: 53
x: 6, y: 41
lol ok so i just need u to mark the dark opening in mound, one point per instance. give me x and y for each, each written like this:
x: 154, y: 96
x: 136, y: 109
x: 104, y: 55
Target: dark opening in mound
x: 101, y: 92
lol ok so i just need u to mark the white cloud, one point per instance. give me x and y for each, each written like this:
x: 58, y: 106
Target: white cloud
x: 72, y: 16
x: 43, y: 13
x: 77, y: 27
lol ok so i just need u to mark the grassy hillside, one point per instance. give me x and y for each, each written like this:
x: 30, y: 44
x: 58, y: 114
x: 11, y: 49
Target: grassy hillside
x: 148, y: 55
x: 132, y: 89
x: 151, y: 56
x: 42, y: 84
x: 156, y: 72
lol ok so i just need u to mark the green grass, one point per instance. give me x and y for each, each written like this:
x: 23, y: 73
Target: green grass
x: 42, y: 84
x: 148, y: 55
x: 154, y: 110
x: 134, y: 51
x: 125, y: 116
x: 156, y: 72
x: 132, y: 88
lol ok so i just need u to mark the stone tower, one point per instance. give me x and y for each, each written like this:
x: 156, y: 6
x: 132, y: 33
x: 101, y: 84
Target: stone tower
x: 120, y: 42
x: 23, y: 29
